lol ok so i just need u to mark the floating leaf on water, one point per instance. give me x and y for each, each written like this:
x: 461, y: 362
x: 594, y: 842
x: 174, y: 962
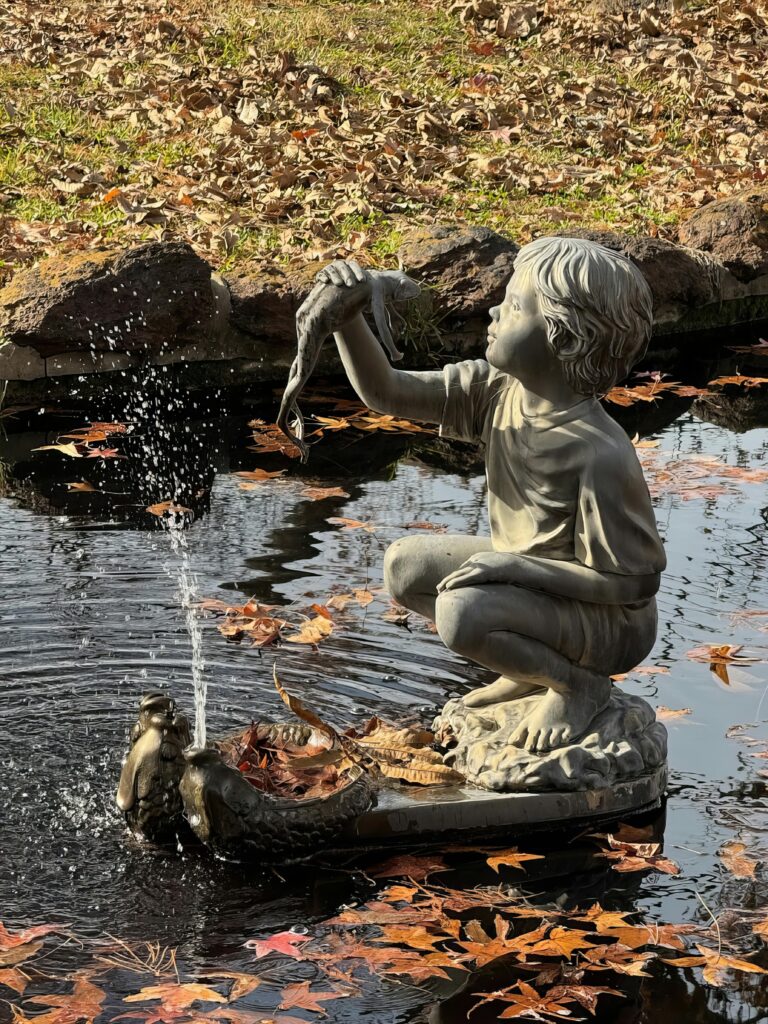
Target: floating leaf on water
x: 511, y: 858
x: 176, y: 996
x: 740, y: 380
x: 300, y: 997
x: 737, y: 861
x: 351, y: 524
x: 664, y: 714
x: 259, y: 475
x: 83, y: 1003
x: 243, y: 985
x: 17, y: 954
x: 81, y: 485
x: 313, y: 631
x: 14, y: 979
x: 716, y: 964
x: 285, y: 943
x: 321, y: 493
x: 638, y: 443
x: 167, y: 508
x: 65, y: 449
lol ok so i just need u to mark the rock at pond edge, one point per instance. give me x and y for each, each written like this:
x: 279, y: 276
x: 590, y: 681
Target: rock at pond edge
x: 146, y: 299
x: 735, y: 230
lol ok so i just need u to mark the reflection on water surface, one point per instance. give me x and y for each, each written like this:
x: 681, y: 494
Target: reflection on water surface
x: 89, y: 619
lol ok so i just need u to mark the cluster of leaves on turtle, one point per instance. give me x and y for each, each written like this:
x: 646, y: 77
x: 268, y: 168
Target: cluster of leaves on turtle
x: 317, y: 762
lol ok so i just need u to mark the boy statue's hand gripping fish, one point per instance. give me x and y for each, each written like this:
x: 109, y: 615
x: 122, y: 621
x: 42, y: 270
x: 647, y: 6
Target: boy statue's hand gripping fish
x: 325, y: 310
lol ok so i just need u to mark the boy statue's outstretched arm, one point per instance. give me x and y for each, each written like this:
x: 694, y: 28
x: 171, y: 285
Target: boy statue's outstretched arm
x: 411, y: 394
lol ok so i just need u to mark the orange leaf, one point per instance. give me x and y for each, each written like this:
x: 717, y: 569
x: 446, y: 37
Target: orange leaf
x: 81, y: 485
x: 10, y: 939
x: 664, y: 714
x: 176, y: 996
x: 163, y: 508
x: 299, y: 997
x: 260, y: 474
x: 300, y: 710
x: 313, y: 631
x: 82, y: 1004
x: 321, y: 493
x: 511, y: 858
x: 733, y: 856
x: 351, y: 524
x: 14, y: 979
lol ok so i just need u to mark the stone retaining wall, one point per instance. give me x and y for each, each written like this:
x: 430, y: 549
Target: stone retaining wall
x: 160, y: 303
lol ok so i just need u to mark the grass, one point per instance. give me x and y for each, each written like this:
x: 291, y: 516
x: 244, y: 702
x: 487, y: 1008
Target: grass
x: 512, y: 150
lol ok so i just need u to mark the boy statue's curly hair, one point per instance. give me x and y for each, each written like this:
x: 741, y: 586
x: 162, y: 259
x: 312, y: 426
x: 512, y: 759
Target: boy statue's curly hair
x: 597, y: 306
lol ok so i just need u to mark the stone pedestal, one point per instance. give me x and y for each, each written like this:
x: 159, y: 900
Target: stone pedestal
x: 623, y: 743
x: 615, y: 772
x: 465, y: 813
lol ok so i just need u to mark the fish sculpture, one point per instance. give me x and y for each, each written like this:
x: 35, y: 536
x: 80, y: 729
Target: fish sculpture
x: 325, y: 310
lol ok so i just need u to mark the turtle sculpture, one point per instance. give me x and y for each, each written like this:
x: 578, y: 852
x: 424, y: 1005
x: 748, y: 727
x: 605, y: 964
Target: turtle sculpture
x: 148, y: 793
x: 168, y: 787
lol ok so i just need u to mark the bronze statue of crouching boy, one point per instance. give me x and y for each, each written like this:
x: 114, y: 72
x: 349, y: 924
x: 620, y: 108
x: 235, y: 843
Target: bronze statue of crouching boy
x: 562, y: 594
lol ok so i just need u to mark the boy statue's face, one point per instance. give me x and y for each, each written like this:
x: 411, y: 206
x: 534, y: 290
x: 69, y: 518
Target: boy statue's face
x: 517, y: 337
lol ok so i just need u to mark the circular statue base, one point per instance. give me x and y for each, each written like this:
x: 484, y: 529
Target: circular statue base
x: 624, y: 742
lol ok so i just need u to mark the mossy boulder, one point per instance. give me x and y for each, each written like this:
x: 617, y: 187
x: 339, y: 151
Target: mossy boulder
x: 264, y: 299
x: 467, y: 267
x: 733, y: 229
x: 147, y: 299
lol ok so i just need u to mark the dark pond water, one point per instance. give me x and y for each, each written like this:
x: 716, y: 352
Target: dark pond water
x: 90, y: 618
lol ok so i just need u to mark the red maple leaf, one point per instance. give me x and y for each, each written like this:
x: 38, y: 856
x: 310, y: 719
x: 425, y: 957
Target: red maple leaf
x: 282, y: 942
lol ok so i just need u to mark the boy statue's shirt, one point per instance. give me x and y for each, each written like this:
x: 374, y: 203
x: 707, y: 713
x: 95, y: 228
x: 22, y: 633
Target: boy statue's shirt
x: 566, y: 485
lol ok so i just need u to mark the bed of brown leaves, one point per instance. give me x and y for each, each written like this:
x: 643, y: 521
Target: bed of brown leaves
x: 547, y: 961
x: 309, y: 130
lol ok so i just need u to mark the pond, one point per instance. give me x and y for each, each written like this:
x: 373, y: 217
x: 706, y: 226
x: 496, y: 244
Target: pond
x: 90, y: 618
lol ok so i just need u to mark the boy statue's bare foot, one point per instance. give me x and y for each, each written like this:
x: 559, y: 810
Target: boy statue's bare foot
x: 560, y: 718
x: 501, y: 689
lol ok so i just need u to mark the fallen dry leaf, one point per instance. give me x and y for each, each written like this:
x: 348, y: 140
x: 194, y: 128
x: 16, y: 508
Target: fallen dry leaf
x: 737, y: 861
x: 167, y: 508
x: 664, y: 714
x: 81, y: 485
x: 252, y: 477
x: 321, y: 493
x: 406, y: 866
x: 511, y: 858
x: 175, y: 996
x: 65, y: 449
x: 351, y: 524
x: 716, y: 965
x: 285, y: 943
x: 313, y: 631
x: 14, y: 979
x: 300, y: 997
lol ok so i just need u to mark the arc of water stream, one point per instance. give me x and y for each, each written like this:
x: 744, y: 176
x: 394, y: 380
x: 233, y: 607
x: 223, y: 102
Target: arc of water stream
x: 188, y: 595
